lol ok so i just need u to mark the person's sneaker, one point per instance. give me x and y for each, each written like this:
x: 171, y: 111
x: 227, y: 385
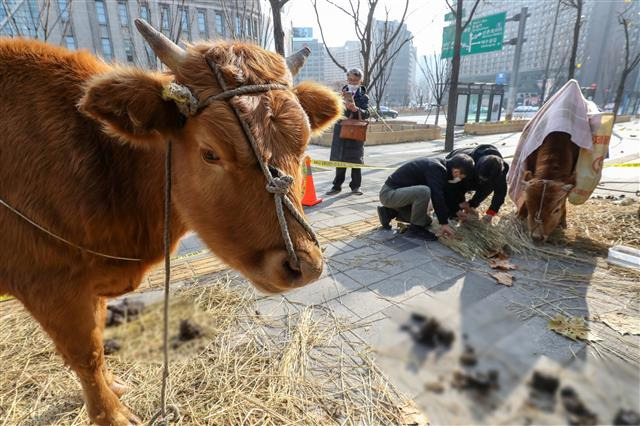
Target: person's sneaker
x: 421, y: 233
x: 333, y: 191
x: 385, y: 215
x: 356, y: 191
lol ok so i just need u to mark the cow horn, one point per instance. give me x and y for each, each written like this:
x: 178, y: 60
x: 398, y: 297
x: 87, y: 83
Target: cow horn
x: 296, y: 61
x: 169, y: 53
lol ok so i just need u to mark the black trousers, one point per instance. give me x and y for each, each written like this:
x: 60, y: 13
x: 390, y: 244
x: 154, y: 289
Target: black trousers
x: 356, y: 178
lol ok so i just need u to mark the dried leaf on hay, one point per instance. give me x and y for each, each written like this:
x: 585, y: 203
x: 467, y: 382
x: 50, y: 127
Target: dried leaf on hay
x: 502, y: 264
x: 503, y: 278
x: 575, y: 328
x: 620, y: 322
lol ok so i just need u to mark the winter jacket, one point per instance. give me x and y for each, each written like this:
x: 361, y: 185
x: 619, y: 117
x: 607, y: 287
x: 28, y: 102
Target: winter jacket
x: 348, y: 150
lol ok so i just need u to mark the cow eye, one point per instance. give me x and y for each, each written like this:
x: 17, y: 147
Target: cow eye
x: 209, y: 156
x: 556, y: 210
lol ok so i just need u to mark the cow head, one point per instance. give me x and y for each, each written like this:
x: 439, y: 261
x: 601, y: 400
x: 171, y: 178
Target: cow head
x: 218, y: 187
x: 546, y: 204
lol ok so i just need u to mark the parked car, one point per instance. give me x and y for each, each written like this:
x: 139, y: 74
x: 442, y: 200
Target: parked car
x: 524, y: 111
x: 387, y: 112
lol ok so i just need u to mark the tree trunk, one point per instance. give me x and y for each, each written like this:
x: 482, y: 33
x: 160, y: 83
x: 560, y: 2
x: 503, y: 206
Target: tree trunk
x: 619, y: 92
x: 437, y: 113
x: 576, y: 39
x: 453, y: 89
x: 278, y: 33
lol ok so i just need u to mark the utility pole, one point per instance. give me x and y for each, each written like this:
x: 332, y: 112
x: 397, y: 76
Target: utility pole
x: 546, y: 68
x: 511, y: 101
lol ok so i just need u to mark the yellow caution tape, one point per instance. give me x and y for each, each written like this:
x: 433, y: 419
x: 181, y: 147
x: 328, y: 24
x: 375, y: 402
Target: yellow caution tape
x: 623, y: 165
x: 332, y: 164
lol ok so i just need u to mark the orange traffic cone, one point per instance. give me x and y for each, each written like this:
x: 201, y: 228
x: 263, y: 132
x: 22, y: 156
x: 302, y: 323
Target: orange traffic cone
x: 309, y: 198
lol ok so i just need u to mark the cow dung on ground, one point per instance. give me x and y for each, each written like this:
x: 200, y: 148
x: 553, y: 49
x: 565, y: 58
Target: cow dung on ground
x: 303, y: 367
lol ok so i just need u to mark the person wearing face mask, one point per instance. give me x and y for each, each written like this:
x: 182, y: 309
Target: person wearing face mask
x: 408, y: 192
x: 490, y: 176
x: 350, y: 151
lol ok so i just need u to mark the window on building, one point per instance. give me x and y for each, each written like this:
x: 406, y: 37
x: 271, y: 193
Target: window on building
x: 164, y: 18
x: 144, y: 12
x: 107, y: 53
x: 248, y: 28
x: 64, y: 10
x: 219, y: 23
x: 101, y: 12
x: 255, y: 29
x: 128, y: 50
x: 123, y: 14
x: 184, y: 22
x: 202, y: 22
x: 70, y: 42
x: 238, y: 26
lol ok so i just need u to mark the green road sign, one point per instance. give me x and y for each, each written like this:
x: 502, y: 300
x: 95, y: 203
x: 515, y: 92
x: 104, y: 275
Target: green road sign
x: 482, y: 35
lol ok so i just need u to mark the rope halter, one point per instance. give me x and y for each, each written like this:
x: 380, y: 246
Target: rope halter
x: 278, y: 183
x: 537, y: 217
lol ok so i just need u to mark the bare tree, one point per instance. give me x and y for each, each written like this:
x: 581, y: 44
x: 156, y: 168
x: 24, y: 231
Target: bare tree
x: 630, y: 61
x: 455, y: 68
x: 245, y: 21
x: 25, y: 20
x: 437, y: 72
x: 377, y: 53
x: 278, y: 33
x: 386, y: 60
x: 577, y: 5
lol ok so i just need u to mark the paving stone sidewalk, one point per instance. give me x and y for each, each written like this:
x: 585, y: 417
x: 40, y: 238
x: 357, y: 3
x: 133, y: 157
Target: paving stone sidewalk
x: 379, y: 278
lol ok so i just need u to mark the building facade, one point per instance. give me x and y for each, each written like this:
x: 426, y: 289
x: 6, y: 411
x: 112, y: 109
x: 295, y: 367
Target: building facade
x: 401, y: 75
x: 313, y: 69
x: 106, y: 27
x: 599, y: 54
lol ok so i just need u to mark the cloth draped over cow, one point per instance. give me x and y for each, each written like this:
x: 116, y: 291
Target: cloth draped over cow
x: 566, y: 111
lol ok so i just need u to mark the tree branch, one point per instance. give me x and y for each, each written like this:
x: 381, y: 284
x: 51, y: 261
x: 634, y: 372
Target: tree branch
x: 473, y: 11
x: 326, y: 48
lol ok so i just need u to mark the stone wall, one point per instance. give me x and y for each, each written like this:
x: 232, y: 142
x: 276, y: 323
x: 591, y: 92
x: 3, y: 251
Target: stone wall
x: 391, y: 133
x: 495, y: 128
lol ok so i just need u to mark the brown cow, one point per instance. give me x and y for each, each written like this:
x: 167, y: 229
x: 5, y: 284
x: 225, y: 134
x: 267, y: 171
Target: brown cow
x: 82, y: 146
x: 549, y: 177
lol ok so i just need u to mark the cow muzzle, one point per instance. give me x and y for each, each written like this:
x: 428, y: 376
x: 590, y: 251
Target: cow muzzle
x: 279, y: 273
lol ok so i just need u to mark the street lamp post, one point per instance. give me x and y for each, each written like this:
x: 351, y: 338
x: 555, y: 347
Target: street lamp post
x: 522, y: 18
x: 546, y: 69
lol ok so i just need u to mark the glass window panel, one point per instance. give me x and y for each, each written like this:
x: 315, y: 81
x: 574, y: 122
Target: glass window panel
x: 101, y: 12
x: 123, y: 14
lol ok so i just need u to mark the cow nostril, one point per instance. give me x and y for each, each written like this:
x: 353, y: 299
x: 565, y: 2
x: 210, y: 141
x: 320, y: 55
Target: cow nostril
x: 292, y: 269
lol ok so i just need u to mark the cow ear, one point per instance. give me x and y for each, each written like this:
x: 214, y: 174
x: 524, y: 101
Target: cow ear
x: 528, y: 175
x: 321, y: 104
x: 130, y: 105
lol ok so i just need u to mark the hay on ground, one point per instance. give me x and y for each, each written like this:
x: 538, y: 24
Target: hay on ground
x: 302, y: 367
x: 592, y: 228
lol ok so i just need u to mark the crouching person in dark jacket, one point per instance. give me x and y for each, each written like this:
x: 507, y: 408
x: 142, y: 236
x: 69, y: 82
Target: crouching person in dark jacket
x: 408, y: 192
x: 346, y: 150
x: 489, y: 176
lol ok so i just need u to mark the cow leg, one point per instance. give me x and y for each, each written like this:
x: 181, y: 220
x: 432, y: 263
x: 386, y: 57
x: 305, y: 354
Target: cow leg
x: 115, y: 384
x: 563, y: 219
x: 75, y: 324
